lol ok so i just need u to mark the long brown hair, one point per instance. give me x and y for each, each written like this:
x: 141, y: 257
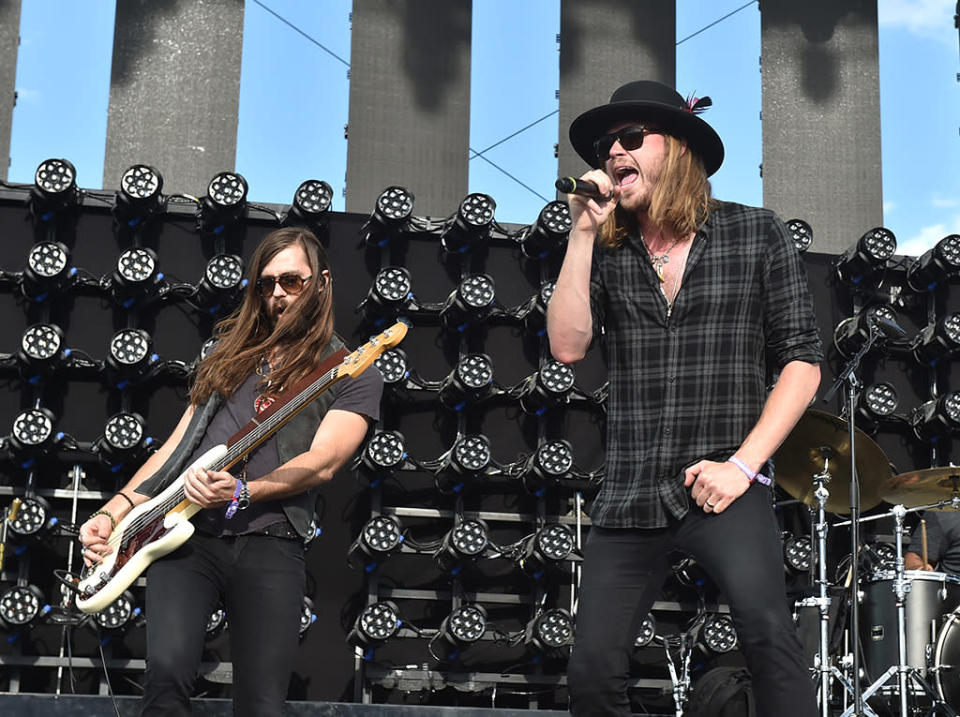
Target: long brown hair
x: 247, y: 336
x: 681, y: 200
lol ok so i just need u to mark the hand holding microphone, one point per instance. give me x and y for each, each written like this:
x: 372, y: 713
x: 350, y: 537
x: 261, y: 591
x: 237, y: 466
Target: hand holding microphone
x: 583, y: 188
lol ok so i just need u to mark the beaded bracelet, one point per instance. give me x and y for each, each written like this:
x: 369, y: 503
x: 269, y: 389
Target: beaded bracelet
x: 113, y: 521
x: 760, y: 477
x: 234, y: 503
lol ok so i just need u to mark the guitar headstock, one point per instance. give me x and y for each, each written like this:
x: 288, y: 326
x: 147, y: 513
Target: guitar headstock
x: 360, y: 360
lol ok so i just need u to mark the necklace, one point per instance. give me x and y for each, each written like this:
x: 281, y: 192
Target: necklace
x: 262, y: 402
x: 658, y: 260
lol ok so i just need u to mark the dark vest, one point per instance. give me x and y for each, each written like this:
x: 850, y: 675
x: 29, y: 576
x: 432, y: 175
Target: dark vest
x: 293, y: 439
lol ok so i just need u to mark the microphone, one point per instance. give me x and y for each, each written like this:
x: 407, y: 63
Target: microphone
x: 583, y: 187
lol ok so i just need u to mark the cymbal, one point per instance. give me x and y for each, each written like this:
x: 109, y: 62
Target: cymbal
x: 922, y: 487
x: 818, y: 436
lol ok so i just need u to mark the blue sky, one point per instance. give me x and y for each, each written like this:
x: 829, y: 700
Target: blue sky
x: 287, y: 135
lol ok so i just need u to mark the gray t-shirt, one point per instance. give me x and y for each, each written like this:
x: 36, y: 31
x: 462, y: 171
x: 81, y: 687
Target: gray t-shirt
x: 943, y: 540
x: 357, y: 394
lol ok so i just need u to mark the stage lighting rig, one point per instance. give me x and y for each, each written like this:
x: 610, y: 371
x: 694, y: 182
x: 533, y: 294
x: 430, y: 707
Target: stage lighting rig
x: 549, y: 233
x: 380, y: 538
x: 801, y: 234
x: 877, y: 404
x: 140, y: 197
x: 383, y: 455
x: 118, y: 614
x: 546, y: 549
x: 54, y: 189
x: 311, y: 206
x: 647, y: 632
x: 390, y: 296
x: 549, y: 464
x: 131, y: 358
x: 549, y: 387
x: 470, y: 304
x: 137, y: 278
x: 307, y: 616
x: 395, y: 368
x: 549, y: 632
x: 936, y: 265
x: 534, y: 312
x: 21, y: 605
x: 470, y: 458
x: 33, y: 435
x: 48, y: 271
x: 34, y: 517
x: 471, y: 381
x: 124, y: 440
x: 864, y: 262
x: 459, y: 630
x: 937, y: 341
x: 852, y: 333
x: 797, y: 552
x: 224, y: 204
x: 222, y: 284
x: 464, y: 544
x: 471, y: 225
x: 390, y: 217
x: 216, y: 623
x: 717, y: 634
x: 375, y: 624
x: 937, y: 419
x: 41, y: 351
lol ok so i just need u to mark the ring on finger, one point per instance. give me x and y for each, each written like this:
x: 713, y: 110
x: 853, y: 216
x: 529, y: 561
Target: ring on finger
x: 710, y: 505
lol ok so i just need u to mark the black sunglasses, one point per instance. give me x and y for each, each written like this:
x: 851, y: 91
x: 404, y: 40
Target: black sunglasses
x: 629, y: 137
x: 290, y: 283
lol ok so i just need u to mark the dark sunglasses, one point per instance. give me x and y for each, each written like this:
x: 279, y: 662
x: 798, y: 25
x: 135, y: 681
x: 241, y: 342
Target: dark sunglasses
x: 290, y: 283
x: 629, y: 138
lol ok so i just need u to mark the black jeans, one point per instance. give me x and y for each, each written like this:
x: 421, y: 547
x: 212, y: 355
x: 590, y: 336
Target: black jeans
x: 260, y: 581
x: 624, y: 571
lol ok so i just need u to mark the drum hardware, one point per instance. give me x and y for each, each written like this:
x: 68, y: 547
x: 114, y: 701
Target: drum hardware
x: 933, y: 488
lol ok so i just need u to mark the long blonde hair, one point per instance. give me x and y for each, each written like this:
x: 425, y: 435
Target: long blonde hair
x: 681, y: 200
x: 247, y: 336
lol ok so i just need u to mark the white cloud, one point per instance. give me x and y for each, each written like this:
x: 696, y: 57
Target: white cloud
x: 928, y: 237
x: 944, y: 202
x: 920, y: 17
x: 889, y: 207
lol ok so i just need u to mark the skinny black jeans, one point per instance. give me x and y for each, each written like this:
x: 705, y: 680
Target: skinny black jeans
x: 260, y: 581
x: 624, y: 571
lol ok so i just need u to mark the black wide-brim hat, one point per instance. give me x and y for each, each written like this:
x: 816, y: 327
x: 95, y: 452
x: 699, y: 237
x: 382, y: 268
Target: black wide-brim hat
x: 647, y: 101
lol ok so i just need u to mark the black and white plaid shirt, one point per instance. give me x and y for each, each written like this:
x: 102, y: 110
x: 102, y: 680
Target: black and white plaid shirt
x: 690, y: 383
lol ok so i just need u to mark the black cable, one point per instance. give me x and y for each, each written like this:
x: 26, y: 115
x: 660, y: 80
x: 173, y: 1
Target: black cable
x: 304, y: 34
x: 716, y: 22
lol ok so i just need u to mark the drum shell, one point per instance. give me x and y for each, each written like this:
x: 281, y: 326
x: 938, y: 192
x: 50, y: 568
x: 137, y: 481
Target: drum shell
x: 931, y: 597
x: 946, y: 660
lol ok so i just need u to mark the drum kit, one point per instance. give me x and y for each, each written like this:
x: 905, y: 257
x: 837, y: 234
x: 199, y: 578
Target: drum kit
x: 906, y: 622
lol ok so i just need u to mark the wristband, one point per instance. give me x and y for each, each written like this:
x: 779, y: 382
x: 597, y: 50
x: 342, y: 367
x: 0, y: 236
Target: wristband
x: 244, y: 501
x: 759, y: 477
x: 113, y: 521
x: 125, y: 497
x: 232, y: 505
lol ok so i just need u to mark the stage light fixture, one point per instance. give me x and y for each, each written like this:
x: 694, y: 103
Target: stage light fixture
x: 222, y: 283
x: 470, y: 303
x: 470, y: 381
x: 307, y: 616
x: 459, y: 630
x: 648, y: 631
x: 124, y: 440
x: 868, y: 258
x: 718, y: 634
x: 384, y: 453
x: 937, y: 419
x: 130, y: 358
x: 547, y: 548
x: 549, y: 631
x: 463, y: 544
x: 549, y: 387
x: 48, y: 270
x: 797, y: 552
x: 311, y: 205
x: 935, y: 265
x: 937, y: 341
x: 54, y: 188
x: 34, y: 517
x: 119, y: 613
x: 140, y: 197
x: 468, y: 459
x: 224, y: 203
x: 380, y: 537
x: 216, y: 622
x: 549, y: 232
x: 41, y: 350
x: 32, y: 433
x: 471, y: 225
x: 390, y: 295
x: 390, y: 217
x: 375, y: 624
x: 137, y: 276
x: 801, y: 234
x: 535, y: 311
x: 877, y: 403
x: 885, y: 555
x: 393, y: 365
x: 852, y: 333
x: 20, y: 605
x: 550, y: 463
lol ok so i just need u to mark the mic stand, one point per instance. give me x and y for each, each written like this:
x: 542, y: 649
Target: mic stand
x: 848, y: 378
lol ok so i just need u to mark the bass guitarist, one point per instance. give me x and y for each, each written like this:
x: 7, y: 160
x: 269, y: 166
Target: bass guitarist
x: 247, y: 553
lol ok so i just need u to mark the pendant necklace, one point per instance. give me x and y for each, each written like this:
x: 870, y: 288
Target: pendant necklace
x: 262, y: 402
x: 658, y: 260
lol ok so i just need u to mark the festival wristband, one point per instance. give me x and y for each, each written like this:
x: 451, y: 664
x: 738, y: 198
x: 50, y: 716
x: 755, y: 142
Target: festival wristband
x: 232, y: 505
x: 760, y: 477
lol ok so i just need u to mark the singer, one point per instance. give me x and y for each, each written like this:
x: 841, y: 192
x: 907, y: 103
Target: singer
x: 692, y: 301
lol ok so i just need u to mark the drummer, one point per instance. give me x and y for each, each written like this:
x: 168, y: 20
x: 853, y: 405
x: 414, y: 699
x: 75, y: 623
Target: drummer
x: 942, y: 543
